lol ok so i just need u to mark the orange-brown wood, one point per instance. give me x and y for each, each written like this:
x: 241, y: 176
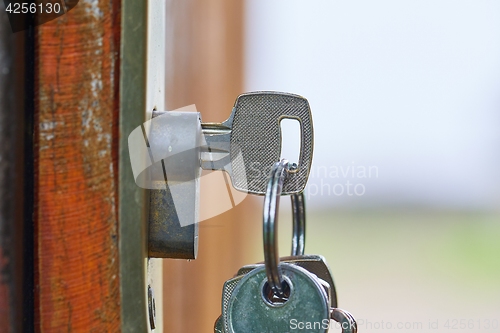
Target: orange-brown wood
x: 77, y: 268
x: 205, y: 49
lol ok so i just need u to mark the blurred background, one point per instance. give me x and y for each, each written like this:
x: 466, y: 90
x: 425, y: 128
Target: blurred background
x: 404, y: 194
x: 408, y: 88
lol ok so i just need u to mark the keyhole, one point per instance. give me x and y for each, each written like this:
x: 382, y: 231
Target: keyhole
x: 290, y: 139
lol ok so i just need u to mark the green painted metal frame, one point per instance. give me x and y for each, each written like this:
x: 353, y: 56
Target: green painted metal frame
x: 132, y: 199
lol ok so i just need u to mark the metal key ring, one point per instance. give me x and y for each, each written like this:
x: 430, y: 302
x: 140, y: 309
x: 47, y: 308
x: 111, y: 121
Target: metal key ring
x: 271, y: 209
x: 299, y: 224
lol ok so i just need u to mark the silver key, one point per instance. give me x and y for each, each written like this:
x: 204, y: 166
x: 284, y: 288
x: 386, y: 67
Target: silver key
x: 298, y: 243
x: 344, y: 318
x: 242, y: 308
x: 315, y: 264
x: 230, y: 285
x: 250, y: 308
x: 250, y: 141
x: 228, y: 289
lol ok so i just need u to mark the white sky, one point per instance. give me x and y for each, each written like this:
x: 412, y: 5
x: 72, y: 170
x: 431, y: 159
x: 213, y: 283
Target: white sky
x: 411, y: 87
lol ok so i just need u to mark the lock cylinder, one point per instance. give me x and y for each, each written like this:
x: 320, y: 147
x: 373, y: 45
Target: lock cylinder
x: 174, y: 147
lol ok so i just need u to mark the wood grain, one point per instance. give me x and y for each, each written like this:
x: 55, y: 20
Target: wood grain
x: 77, y: 268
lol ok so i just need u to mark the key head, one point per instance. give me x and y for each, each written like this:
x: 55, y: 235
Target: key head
x: 250, y: 311
x: 227, y: 291
x: 315, y: 264
x: 256, y: 138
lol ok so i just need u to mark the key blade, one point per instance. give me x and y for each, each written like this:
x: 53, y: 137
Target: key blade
x: 215, y: 128
x: 217, y: 139
x: 215, y: 153
x: 223, y: 164
x: 216, y: 148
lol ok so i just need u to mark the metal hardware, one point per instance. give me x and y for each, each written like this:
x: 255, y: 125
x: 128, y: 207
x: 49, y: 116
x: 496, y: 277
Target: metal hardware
x: 271, y: 208
x: 179, y: 146
x: 251, y: 137
x: 247, y: 312
x: 173, y: 206
x: 299, y: 224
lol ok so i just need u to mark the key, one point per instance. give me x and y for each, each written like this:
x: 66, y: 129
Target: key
x: 227, y: 291
x: 251, y: 307
x: 231, y: 284
x: 273, y: 285
x: 344, y: 318
x: 250, y: 141
x: 298, y: 243
x: 315, y: 264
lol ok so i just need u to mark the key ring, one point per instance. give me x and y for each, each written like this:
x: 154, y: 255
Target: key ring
x: 299, y: 224
x: 271, y: 209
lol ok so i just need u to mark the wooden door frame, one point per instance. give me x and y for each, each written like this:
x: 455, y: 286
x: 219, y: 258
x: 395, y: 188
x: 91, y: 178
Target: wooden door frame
x: 80, y: 244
